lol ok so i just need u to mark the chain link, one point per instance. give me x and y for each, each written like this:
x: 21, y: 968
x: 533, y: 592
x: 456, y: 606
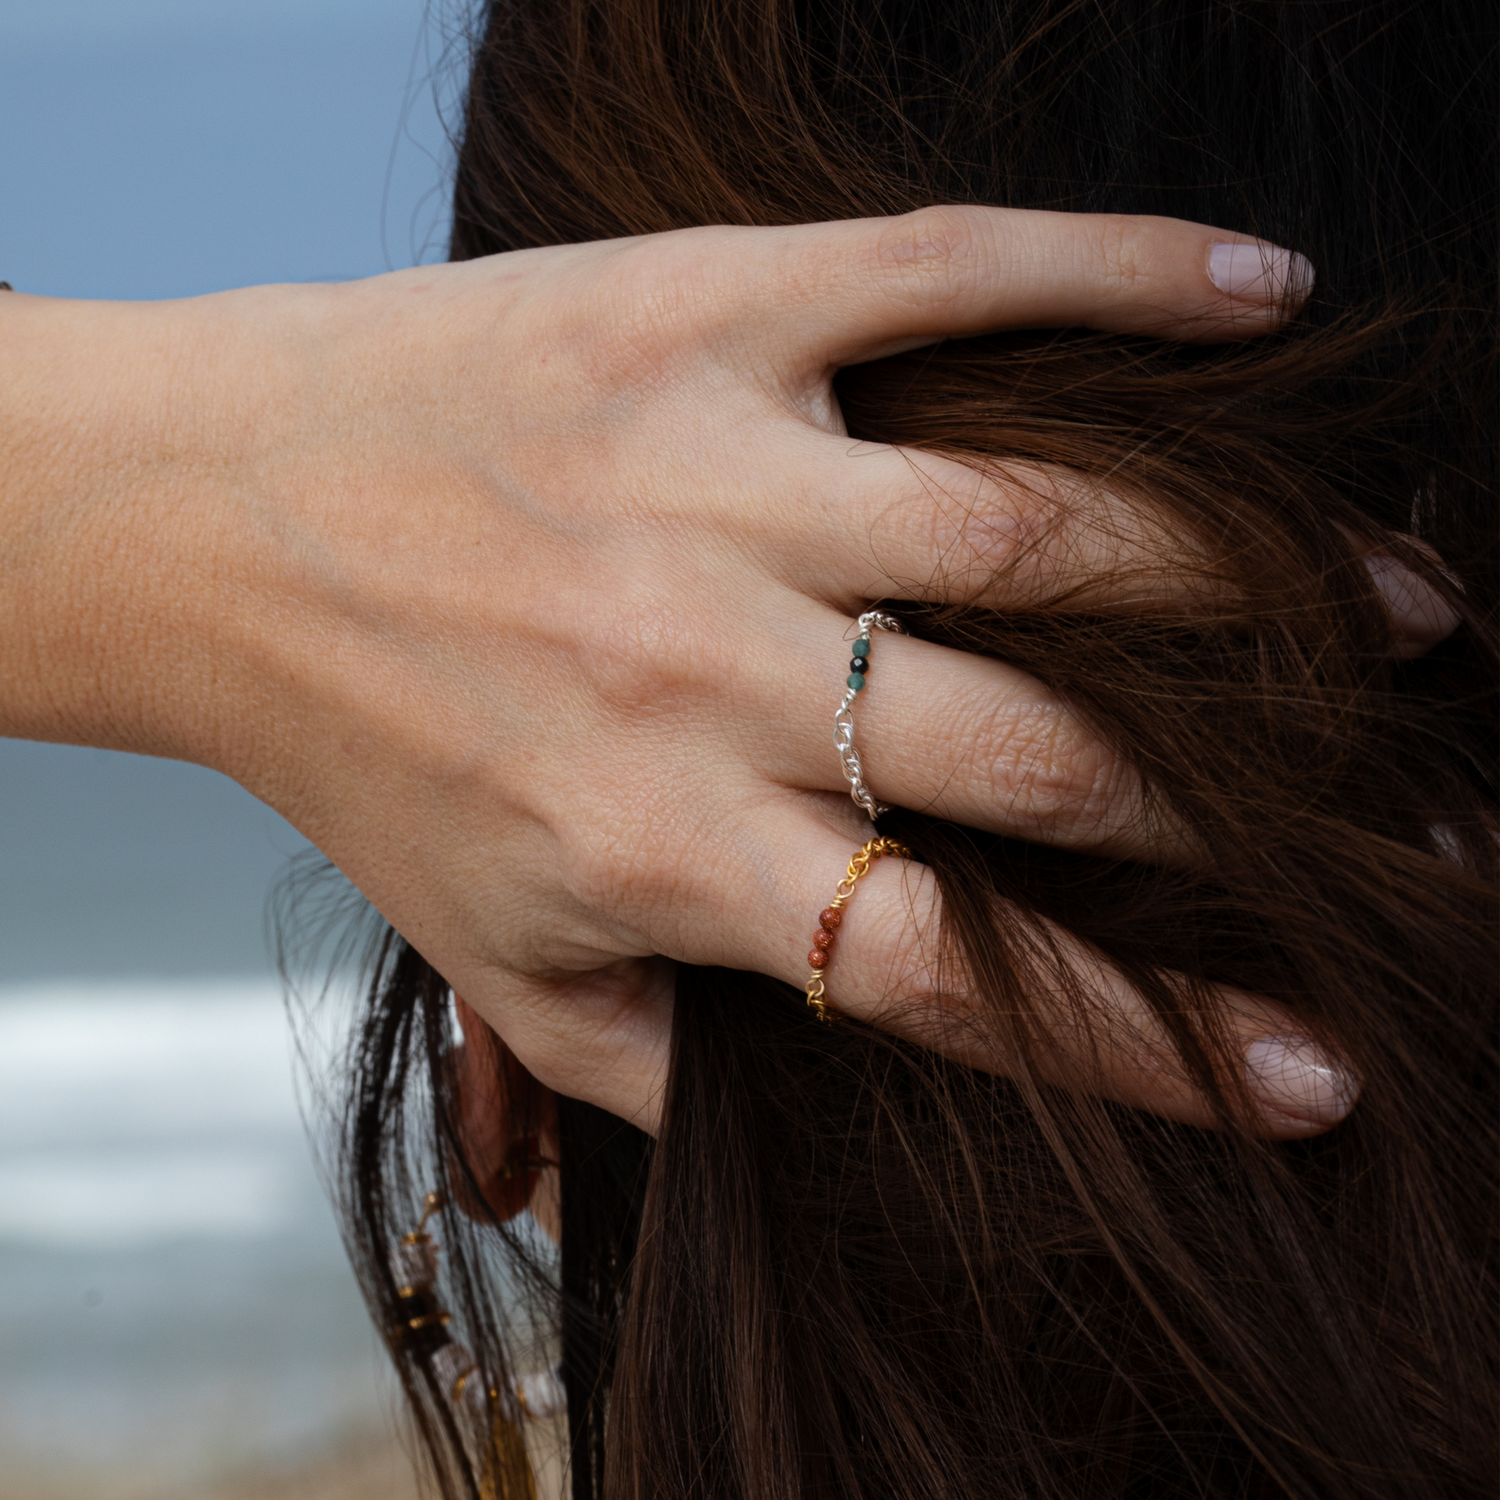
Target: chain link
x: 859, y: 867
x: 843, y: 724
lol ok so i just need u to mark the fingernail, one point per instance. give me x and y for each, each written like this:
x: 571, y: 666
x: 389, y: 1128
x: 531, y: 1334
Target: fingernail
x: 1421, y: 616
x: 1292, y: 1075
x: 1257, y: 272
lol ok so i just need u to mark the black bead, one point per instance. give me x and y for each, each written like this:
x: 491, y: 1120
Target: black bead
x: 860, y: 664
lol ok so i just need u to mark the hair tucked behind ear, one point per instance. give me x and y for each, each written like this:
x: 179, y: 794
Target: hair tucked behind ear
x: 866, y: 1272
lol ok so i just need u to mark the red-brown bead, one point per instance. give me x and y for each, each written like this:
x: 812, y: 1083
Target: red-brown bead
x: 829, y: 917
x: 822, y: 938
x: 817, y: 958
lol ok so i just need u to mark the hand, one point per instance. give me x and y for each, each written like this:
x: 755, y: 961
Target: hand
x: 523, y: 586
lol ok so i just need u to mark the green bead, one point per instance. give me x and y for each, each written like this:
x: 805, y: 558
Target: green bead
x: 862, y: 646
x: 856, y: 681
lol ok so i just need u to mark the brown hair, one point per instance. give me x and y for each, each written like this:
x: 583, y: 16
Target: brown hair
x: 849, y: 1268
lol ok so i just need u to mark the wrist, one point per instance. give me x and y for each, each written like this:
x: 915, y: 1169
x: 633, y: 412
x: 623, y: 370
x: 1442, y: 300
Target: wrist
x: 117, y: 434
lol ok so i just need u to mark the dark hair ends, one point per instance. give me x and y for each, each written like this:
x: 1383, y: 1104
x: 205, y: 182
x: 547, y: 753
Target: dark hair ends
x: 848, y: 1268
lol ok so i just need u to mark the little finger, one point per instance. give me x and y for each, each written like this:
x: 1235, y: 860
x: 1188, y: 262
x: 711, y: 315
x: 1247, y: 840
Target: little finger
x: 604, y: 1036
x: 1094, y: 1031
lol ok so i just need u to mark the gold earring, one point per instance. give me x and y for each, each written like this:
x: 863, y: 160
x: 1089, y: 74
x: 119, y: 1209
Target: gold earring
x: 421, y: 1333
x: 491, y: 1416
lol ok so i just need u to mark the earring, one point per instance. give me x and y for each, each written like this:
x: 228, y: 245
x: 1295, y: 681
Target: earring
x: 423, y: 1328
x: 491, y: 1416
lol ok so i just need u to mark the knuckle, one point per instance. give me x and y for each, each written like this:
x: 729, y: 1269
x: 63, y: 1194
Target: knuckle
x: 1051, y: 777
x: 658, y: 866
x: 651, y: 303
x: 628, y: 865
x: 1003, y: 534
x: 642, y: 658
x: 1119, y: 251
x: 930, y: 253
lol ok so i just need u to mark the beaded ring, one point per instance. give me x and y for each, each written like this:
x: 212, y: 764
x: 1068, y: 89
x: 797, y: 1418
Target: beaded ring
x: 843, y: 720
x: 833, y: 914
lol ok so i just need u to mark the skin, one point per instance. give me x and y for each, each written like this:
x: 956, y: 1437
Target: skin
x: 523, y: 586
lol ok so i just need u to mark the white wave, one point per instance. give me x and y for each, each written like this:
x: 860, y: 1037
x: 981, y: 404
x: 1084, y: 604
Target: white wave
x: 145, y: 1059
x: 132, y: 1114
x: 100, y: 1200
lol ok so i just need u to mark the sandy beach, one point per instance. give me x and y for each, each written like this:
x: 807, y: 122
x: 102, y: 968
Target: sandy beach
x: 368, y: 1466
x: 372, y: 1465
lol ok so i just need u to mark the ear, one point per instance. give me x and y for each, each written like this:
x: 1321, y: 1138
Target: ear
x: 507, y: 1129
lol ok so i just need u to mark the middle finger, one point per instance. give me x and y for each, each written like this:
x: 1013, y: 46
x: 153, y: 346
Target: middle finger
x: 902, y: 523
x: 871, y: 521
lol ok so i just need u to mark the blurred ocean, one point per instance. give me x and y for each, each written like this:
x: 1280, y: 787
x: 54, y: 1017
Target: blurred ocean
x: 176, y: 1315
x: 174, y: 1299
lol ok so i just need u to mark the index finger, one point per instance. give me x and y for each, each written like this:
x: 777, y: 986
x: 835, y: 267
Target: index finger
x: 862, y: 288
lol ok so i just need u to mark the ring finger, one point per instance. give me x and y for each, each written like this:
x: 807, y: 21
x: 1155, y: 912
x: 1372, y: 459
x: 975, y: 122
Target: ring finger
x: 940, y: 731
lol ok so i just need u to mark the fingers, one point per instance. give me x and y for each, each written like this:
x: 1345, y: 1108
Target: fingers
x: 976, y: 741
x: 880, y: 522
x: 845, y: 292
x: 979, y: 742
x: 605, y: 1037
x: 893, y: 523
x: 1420, y: 616
x: 1097, y: 1032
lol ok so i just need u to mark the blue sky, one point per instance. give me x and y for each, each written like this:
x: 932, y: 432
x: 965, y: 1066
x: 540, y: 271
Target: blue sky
x: 164, y: 148
x: 160, y: 148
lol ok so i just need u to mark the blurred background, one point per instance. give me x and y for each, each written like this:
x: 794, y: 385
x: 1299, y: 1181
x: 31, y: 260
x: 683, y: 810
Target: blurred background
x: 176, y: 1315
